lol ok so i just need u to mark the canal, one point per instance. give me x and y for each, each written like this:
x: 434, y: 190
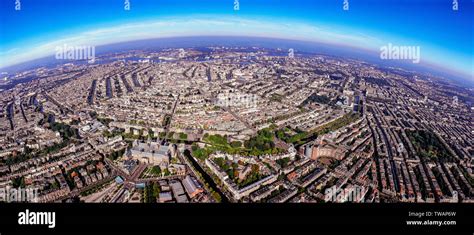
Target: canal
x: 206, y: 177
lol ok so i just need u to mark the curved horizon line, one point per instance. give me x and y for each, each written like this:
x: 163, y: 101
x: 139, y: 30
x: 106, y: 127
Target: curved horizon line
x: 170, y: 27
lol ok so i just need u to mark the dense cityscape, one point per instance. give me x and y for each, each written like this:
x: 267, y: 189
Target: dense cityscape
x: 235, y: 124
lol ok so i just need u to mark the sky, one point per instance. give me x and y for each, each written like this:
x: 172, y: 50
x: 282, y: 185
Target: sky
x: 445, y: 36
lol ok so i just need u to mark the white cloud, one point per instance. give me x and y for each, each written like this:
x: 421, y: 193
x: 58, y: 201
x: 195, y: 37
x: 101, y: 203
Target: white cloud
x: 187, y: 26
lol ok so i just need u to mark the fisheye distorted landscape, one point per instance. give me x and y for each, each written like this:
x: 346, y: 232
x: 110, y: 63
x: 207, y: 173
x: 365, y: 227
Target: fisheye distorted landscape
x: 237, y: 101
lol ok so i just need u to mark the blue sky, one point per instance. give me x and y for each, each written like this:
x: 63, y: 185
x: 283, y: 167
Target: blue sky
x: 445, y: 36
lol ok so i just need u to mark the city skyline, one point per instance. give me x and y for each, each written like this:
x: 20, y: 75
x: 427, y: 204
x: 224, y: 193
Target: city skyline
x: 320, y: 21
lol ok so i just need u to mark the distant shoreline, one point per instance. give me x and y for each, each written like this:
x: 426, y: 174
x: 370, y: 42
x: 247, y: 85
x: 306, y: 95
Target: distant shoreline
x: 270, y: 43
